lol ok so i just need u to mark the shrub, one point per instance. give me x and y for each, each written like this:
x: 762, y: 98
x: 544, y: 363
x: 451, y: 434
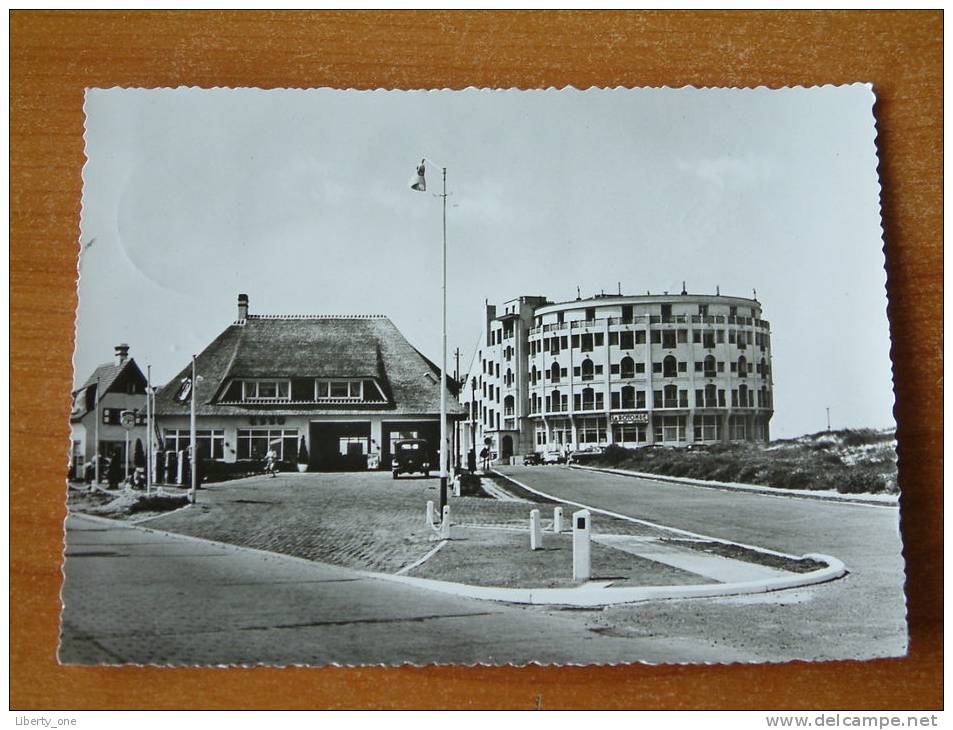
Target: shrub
x: 864, y: 436
x: 139, y: 455
x: 158, y: 503
x: 470, y: 486
x: 857, y: 482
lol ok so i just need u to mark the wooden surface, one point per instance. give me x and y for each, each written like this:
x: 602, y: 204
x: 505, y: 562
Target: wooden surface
x: 54, y: 55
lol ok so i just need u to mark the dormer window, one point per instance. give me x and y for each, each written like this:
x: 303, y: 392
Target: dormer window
x: 340, y: 390
x: 253, y: 390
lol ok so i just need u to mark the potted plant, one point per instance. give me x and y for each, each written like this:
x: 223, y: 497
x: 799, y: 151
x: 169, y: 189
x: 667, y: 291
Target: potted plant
x: 302, y: 456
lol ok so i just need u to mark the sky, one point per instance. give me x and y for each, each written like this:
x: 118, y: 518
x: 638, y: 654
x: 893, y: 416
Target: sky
x: 301, y: 199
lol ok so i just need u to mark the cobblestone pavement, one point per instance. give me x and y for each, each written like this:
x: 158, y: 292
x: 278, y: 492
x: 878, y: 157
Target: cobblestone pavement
x: 364, y: 520
x: 138, y: 596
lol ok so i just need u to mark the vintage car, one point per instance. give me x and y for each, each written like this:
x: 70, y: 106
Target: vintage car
x: 533, y: 459
x: 554, y: 457
x: 411, y: 456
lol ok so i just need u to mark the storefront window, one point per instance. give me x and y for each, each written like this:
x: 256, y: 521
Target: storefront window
x: 629, y: 433
x: 669, y: 428
x: 591, y: 431
x: 209, y: 442
x: 253, y: 443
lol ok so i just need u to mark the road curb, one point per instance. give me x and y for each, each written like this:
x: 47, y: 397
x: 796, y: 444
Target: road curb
x: 755, y: 489
x: 589, y: 595
x: 598, y: 594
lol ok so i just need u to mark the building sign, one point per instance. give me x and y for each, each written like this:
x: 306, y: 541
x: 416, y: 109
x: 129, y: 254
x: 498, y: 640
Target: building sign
x: 128, y: 419
x: 630, y: 417
x: 266, y: 420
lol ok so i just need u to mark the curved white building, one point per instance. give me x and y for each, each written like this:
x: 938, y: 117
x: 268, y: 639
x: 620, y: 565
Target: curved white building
x: 629, y: 370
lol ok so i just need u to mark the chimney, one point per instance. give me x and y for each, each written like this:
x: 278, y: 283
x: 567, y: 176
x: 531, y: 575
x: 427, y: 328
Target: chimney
x: 242, y: 307
x: 122, y: 353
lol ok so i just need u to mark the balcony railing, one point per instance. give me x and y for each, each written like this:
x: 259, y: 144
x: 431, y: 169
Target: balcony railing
x: 642, y: 319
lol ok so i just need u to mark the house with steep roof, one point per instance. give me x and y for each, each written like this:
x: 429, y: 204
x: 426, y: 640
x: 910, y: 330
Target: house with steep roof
x: 351, y: 385
x: 111, y: 389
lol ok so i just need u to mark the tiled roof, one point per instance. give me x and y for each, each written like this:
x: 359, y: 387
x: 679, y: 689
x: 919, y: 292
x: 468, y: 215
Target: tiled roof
x: 310, y: 347
x: 84, y: 397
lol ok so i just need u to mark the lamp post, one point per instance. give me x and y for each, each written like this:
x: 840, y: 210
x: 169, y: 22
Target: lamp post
x: 420, y: 185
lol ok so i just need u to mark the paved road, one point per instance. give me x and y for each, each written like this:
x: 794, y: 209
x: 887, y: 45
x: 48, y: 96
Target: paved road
x: 860, y: 616
x: 137, y: 596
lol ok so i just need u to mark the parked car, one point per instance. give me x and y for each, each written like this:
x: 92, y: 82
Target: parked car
x: 533, y: 459
x: 553, y: 457
x: 411, y: 456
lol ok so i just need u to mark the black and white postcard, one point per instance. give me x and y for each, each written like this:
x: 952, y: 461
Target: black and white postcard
x: 481, y: 377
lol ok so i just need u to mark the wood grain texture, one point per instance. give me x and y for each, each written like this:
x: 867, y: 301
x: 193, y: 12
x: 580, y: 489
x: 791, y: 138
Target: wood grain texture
x: 55, y: 55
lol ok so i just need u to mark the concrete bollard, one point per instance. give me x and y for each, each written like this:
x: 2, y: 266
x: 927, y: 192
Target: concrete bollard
x: 558, y: 520
x: 430, y: 513
x: 445, y: 523
x: 535, y: 531
x: 581, y: 548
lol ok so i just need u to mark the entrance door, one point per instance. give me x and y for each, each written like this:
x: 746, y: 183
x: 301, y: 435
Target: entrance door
x: 340, y: 446
x: 506, y: 447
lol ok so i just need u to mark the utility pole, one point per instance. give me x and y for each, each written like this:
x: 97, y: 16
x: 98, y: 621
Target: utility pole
x: 828, y: 419
x: 456, y: 424
x: 96, y: 434
x: 192, y: 447
x: 148, y: 429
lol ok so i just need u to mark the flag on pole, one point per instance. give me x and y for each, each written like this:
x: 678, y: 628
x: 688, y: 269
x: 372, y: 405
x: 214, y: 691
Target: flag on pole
x: 420, y: 183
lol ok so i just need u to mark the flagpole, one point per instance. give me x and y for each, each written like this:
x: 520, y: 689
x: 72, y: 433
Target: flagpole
x: 443, y: 365
x: 421, y: 186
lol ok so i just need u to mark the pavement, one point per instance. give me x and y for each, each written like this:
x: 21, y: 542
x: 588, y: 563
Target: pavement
x: 860, y: 616
x: 138, y: 596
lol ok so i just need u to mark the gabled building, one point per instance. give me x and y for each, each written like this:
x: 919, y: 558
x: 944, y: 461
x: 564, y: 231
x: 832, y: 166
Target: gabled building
x: 349, y: 384
x: 118, y: 386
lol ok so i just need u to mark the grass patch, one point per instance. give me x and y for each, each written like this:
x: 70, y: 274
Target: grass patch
x: 124, y: 503
x: 729, y: 550
x: 502, y: 558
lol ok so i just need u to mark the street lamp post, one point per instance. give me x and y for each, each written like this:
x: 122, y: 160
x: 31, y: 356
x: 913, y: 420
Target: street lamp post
x: 420, y: 184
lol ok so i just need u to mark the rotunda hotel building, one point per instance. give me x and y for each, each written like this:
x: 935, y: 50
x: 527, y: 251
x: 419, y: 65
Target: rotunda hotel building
x: 617, y: 369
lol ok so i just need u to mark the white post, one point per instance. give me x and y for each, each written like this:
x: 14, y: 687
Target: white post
x: 127, y: 454
x: 148, y: 430
x: 581, y: 556
x: 194, y: 451
x: 558, y: 520
x: 430, y: 512
x: 535, y: 531
x: 180, y: 467
x: 456, y: 485
x: 445, y: 524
